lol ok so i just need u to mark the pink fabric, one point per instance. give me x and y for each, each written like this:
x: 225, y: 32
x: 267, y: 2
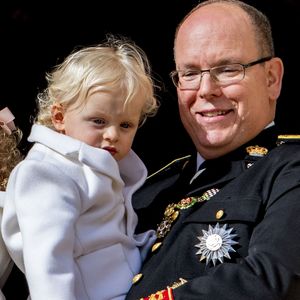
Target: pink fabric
x: 6, y: 120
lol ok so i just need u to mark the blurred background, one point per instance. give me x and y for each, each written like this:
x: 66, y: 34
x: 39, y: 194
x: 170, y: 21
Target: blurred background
x: 37, y: 36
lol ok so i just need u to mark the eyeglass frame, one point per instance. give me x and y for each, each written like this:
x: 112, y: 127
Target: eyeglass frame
x: 175, y: 73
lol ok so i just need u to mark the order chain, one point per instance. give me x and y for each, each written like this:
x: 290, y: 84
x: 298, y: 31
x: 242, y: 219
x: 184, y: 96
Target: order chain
x: 172, y: 211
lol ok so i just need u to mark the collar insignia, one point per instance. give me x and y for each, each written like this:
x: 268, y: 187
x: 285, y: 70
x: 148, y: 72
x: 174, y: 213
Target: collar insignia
x: 256, y: 151
x: 216, y: 243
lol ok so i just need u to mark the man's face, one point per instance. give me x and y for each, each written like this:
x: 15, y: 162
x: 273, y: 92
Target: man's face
x: 221, y: 118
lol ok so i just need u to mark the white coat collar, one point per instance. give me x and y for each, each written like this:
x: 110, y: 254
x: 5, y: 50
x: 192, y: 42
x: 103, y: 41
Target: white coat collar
x: 2, y: 194
x: 132, y: 169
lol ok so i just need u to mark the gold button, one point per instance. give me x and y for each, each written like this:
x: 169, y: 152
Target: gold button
x: 219, y: 214
x: 156, y: 246
x: 137, y: 278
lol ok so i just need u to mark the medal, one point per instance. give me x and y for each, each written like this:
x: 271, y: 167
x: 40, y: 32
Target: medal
x: 172, y: 212
x: 216, y: 243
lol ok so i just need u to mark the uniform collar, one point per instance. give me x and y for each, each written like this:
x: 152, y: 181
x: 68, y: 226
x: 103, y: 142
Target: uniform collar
x: 227, y: 167
x: 266, y: 138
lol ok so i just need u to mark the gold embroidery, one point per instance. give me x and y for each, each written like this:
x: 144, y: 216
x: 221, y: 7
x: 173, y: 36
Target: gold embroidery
x: 179, y: 283
x: 157, y: 296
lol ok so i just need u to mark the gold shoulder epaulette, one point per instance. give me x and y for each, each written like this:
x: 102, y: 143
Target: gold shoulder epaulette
x: 182, y: 161
x: 288, y: 138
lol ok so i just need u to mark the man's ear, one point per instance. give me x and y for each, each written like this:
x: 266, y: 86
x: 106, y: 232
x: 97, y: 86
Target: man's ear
x: 274, y: 77
x: 57, y: 117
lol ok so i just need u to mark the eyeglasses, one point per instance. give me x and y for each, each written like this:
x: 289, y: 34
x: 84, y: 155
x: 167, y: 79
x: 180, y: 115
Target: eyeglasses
x: 221, y: 75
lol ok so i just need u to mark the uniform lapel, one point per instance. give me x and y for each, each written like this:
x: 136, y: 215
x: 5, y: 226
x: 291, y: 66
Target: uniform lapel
x: 222, y: 170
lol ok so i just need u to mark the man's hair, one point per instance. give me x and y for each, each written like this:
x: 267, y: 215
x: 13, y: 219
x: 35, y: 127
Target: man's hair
x: 261, y: 24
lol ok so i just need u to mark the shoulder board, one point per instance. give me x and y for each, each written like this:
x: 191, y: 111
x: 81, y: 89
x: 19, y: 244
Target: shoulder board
x: 288, y: 138
x: 178, y: 163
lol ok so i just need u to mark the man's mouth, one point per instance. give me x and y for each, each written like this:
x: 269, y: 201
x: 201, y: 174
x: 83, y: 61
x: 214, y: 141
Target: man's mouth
x: 214, y: 113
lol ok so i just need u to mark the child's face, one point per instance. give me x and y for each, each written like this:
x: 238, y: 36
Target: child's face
x: 102, y: 122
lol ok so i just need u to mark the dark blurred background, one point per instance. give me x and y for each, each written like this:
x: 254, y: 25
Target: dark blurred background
x: 37, y: 36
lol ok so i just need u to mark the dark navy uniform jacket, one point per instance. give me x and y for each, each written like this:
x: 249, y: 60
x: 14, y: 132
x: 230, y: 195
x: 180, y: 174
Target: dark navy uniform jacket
x: 258, y: 200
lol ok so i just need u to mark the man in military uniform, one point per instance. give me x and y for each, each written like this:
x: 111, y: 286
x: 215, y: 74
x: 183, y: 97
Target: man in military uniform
x: 227, y: 219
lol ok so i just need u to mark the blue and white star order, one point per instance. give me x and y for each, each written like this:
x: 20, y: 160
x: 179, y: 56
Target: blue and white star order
x: 216, y: 243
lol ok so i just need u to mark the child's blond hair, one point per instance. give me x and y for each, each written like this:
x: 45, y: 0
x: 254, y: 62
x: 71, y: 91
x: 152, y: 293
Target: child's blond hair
x: 117, y: 63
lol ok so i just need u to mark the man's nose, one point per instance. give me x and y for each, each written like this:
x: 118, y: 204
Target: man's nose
x: 207, y: 86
